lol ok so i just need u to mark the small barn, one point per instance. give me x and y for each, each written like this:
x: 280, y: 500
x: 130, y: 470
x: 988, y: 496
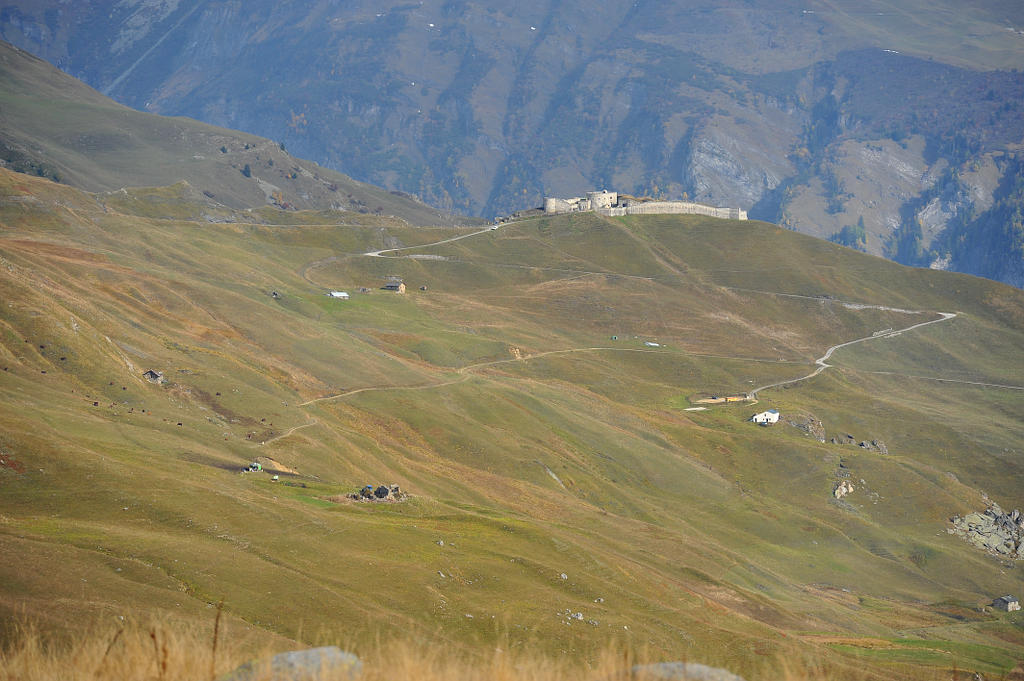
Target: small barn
x: 766, y: 418
x: 394, y: 286
x: 1007, y: 603
x: 339, y: 294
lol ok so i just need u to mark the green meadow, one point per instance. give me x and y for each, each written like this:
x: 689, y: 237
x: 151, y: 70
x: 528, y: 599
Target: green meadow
x: 532, y: 401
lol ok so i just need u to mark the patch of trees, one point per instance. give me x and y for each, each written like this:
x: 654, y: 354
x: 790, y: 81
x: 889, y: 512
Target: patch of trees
x: 835, y: 192
x: 852, y: 236
x: 992, y: 244
x: 959, y: 111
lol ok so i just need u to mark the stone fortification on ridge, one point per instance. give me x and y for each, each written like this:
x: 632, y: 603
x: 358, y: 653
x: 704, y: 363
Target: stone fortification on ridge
x: 608, y: 203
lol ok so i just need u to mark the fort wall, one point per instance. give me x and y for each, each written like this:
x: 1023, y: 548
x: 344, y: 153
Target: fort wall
x: 680, y: 208
x: 553, y: 205
x: 607, y: 203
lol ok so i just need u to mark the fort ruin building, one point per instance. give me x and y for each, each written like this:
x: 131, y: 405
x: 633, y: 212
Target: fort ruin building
x: 611, y: 204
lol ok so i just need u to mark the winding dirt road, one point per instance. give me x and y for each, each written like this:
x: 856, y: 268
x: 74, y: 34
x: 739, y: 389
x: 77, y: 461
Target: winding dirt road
x: 286, y: 433
x: 465, y: 372
x: 822, y: 361
x: 380, y: 253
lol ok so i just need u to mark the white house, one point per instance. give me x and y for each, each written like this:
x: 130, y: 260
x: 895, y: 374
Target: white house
x: 338, y: 294
x: 766, y: 418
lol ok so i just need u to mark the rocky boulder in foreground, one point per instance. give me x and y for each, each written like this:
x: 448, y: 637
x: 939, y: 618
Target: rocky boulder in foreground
x: 314, y: 664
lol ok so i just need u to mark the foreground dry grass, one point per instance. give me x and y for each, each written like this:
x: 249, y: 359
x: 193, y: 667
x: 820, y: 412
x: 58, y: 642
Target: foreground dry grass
x: 180, y: 653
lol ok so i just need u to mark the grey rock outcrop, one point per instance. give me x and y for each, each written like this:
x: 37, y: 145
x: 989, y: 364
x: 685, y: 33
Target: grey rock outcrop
x: 734, y: 164
x: 677, y: 671
x: 993, y: 530
x: 842, y: 488
x: 314, y: 664
x: 869, y: 445
x: 809, y: 424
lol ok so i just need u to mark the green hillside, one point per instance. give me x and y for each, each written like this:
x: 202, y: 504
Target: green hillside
x: 520, y: 400
x: 56, y: 127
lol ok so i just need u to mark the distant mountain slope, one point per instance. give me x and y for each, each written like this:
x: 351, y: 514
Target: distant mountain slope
x: 54, y: 126
x: 999, y: 233
x: 886, y: 117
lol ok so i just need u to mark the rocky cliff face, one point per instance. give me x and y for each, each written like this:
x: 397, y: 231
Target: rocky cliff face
x: 804, y: 117
x: 993, y: 530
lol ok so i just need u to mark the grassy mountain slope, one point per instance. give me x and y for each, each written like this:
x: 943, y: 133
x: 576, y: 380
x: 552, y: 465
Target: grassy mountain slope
x: 533, y: 444
x: 55, y: 126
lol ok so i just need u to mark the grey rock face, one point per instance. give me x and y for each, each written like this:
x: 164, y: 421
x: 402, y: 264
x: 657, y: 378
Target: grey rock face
x: 738, y: 163
x: 994, y: 531
x: 674, y: 671
x: 313, y: 664
x: 681, y: 671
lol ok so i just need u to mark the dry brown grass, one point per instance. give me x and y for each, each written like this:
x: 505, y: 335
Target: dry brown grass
x: 129, y: 653
x: 161, y: 652
x: 408, y: 660
x: 162, y: 649
x: 178, y: 652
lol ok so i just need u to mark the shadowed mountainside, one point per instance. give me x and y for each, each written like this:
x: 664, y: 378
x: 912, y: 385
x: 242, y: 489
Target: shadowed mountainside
x: 56, y: 127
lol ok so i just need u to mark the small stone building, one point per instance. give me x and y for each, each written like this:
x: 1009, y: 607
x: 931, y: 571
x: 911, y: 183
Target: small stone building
x: 1006, y: 603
